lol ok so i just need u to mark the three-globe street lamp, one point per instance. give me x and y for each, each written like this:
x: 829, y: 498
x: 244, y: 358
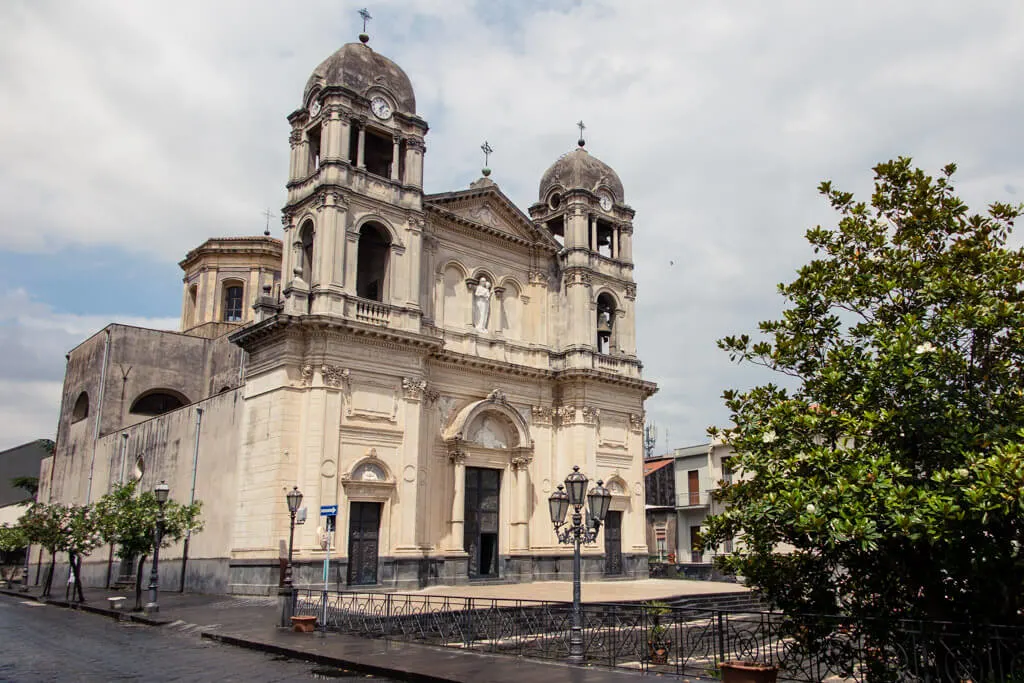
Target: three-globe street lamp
x: 576, y: 534
x: 160, y: 492
x: 286, y: 595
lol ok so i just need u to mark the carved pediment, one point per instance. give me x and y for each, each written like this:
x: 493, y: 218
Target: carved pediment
x: 492, y: 211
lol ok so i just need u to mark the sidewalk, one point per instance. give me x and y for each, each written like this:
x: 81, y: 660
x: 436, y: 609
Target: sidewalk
x: 249, y: 622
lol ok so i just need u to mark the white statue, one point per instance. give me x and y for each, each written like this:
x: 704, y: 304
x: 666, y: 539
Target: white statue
x: 482, y: 304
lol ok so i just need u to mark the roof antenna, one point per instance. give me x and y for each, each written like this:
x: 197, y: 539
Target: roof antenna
x: 364, y: 37
x: 266, y: 231
x: 487, y: 150
x: 581, y: 126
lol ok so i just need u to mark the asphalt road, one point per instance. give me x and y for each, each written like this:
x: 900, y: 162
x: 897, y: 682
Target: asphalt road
x: 44, y: 643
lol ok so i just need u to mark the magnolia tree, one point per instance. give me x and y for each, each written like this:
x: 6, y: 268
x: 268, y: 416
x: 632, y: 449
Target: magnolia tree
x: 890, y: 481
x: 129, y: 520
x: 72, y: 529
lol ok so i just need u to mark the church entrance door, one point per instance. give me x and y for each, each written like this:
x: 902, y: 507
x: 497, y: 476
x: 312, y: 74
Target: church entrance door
x: 363, y: 535
x: 613, y: 543
x: 483, y: 487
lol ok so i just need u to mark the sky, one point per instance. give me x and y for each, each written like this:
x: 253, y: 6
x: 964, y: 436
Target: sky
x: 132, y: 130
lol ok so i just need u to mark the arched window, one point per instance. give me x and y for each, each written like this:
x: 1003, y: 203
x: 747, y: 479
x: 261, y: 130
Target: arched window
x: 372, y: 266
x: 605, y: 323
x: 157, y: 402
x: 191, y: 318
x: 233, y: 298
x: 306, y: 252
x: 81, y: 409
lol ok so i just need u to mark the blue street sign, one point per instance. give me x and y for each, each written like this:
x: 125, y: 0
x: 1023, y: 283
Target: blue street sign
x: 328, y: 510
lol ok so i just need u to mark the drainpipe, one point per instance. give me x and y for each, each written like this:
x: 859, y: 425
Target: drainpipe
x: 124, y: 454
x: 192, y: 496
x: 99, y: 414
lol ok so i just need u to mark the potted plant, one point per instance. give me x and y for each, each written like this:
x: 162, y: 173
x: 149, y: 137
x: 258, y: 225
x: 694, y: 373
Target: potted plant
x: 748, y: 672
x: 658, y: 643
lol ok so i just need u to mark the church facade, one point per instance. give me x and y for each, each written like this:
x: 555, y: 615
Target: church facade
x: 433, y: 365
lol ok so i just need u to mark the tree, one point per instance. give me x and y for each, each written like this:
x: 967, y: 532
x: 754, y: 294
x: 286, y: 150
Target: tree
x: 894, y: 471
x: 72, y: 529
x: 12, y: 539
x: 29, y: 485
x: 128, y: 521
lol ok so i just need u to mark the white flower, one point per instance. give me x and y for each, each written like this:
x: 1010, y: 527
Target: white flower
x: 811, y: 509
x: 769, y: 436
x: 924, y: 348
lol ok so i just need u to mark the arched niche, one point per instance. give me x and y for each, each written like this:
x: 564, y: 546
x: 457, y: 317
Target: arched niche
x: 157, y: 402
x: 369, y: 479
x: 81, y: 409
x: 619, y: 489
x: 490, y: 421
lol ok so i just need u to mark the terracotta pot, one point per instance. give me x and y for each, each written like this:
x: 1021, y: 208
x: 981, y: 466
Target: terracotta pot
x: 657, y: 653
x: 748, y: 672
x: 303, y: 624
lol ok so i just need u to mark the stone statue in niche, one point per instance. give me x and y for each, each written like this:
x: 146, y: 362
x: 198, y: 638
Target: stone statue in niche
x: 482, y: 304
x: 489, y: 432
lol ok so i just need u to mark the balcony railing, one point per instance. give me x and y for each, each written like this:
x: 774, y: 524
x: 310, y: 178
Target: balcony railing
x: 692, y: 499
x: 372, y: 312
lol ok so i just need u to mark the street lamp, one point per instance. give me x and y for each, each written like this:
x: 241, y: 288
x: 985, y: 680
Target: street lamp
x: 160, y: 492
x: 294, y: 501
x: 286, y: 594
x: 576, y: 534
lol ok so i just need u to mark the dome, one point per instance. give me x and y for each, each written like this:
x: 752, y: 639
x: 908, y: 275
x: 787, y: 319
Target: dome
x: 357, y: 67
x: 581, y: 170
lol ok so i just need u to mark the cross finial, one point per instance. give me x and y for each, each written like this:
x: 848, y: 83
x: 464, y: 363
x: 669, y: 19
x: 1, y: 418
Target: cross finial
x: 581, y: 126
x: 365, y: 14
x: 487, y: 150
x: 269, y: 214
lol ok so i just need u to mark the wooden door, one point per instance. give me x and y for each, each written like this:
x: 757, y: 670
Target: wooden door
x: 483, y: 491
x: 613, y: 543
x: 363, y: 543
x: 693, y: 486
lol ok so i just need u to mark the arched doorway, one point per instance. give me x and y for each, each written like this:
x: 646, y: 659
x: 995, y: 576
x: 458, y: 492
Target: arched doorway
x: 372, y: 262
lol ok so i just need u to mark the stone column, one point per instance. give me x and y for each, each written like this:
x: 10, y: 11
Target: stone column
x: 414, y: 150
x: 576, y: 228
x: 593, y: 232
x: 345, y: 138
x: 415, y: 259
x: 521, y: 520
x: 615, y: 243
x: 394, y: 158
x: 351, y: 260
x: 458, y: 531
x: 334, y: 124
x: 360, y: 154
x: 295, y: 172
x: 626, y: 246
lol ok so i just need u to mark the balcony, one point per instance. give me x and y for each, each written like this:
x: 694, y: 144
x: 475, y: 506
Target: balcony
x: 693, y: 499
x: 370, y: 312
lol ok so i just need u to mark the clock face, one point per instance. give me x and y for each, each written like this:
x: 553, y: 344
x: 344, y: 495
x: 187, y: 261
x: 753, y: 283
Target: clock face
x: 314, y: 107
x: 380, y: 108
x: 606, y: 202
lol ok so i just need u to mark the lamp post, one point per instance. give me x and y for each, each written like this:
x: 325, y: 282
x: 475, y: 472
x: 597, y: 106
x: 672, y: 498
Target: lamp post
x: 576, y: 534
x: 286, y: 595
x: 160, y: 492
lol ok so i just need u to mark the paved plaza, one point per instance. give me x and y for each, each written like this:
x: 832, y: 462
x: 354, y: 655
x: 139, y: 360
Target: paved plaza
x: 592, y: 591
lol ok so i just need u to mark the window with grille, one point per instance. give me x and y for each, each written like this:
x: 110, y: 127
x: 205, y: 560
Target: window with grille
x: 233, y: 304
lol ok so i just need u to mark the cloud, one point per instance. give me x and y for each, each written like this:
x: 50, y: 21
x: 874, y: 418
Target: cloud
x: 149, y: 127
x: 33, y: 341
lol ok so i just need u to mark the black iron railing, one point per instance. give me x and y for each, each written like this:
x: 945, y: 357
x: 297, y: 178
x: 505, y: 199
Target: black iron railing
x: 683, y: 641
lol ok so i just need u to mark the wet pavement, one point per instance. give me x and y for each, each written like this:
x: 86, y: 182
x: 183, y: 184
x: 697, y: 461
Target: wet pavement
x: 41, y: 642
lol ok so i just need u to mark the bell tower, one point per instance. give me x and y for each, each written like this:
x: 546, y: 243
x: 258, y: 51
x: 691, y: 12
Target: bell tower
x: 353, y: 220
x: 582, y: 204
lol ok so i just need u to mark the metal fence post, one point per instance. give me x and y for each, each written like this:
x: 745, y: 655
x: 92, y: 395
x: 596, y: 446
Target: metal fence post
x: 721, y: 636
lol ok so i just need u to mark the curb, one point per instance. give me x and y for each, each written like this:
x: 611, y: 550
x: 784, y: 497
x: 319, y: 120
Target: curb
x: 328, y: 660
x: 111, y: 613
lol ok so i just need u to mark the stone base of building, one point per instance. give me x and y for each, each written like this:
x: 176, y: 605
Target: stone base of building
x: 261, y: 577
